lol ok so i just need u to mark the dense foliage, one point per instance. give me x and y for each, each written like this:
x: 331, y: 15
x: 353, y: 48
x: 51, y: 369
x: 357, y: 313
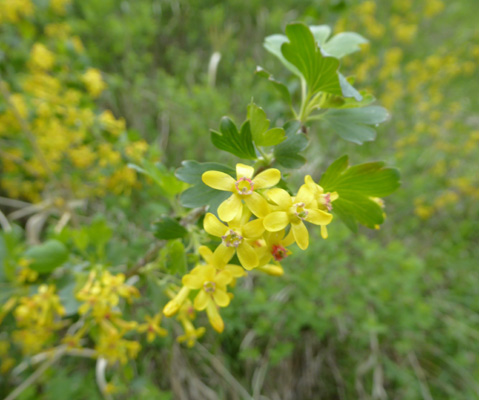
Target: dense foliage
x: 103, y: 223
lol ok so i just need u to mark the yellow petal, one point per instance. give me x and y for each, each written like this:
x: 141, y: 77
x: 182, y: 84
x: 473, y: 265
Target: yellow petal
x: 222, y: 255
x: 289, y: 239
x: 243, y: 170
x: 223, y: 278
x: 276, y: 221
x: 304, y: 195
x: 267, y: 178
x: 221, y: 298
x: 231, y: 208
x: 272, y: 269
x: 324, y: 232
x: 301, y: 235
x: 174, y: 305
x: 280, y: 197
x: 235, y: 270
x: 218, y: 180
x: 257, y: 204
x: 253, y: 229
x: 193, y: 281
x: 213, y: 225
x: 214, y: 317
x: 206, y: 253
x: 201, y: 300
x: 334, y: 196
x: 319, y: 217
x: 247, y: 256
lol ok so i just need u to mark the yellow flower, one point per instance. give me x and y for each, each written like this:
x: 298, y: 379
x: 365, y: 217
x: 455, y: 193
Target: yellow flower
x: 295, y: 210
x: 242, y: 189
x: 93, y: 81
x: 235, y: 237
x: 152, y: 327
x: 41, y: 57
x: 219, y: 260
x: 274, y: 245
x: 324, y: 201
x: 191, y: 334
x: 172, y: 307
x: 212, y: 291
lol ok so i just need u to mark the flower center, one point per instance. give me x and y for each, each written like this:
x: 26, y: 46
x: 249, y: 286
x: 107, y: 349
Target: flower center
x: 209, y: 287
x: 232, y: 239
x: 279, y: 252
x: 244, y: 186
x: 301, y: 212
x: 325, y: 199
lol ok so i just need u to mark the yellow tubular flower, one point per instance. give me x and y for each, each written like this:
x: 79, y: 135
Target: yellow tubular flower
x: 242, y: 189
x: 295, y: 210
x: 235, y: 237
x: 174, y: 304
x: 219, y: 260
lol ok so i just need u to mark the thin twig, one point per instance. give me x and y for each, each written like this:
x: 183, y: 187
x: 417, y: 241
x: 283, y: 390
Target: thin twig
x: 36, y: 375
x: 4, y: 222
x: 101, y: 365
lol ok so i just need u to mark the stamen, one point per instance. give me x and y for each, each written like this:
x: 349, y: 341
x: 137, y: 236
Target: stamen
x: 301, y: 213
x: 209, y: 287
x: 244, y: 186
x: 232, y: 239
x: 279, y: 252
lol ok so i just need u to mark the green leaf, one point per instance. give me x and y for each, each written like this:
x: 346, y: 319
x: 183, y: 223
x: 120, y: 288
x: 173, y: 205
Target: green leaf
x: 168, y: 228
x: 356, y: 186
x: 320, y: 72
x: 273, y: 44
x: 229, y: 139
x: 353, y: 124
x: 47, y: 256
x: 280, y: 87
x: 343, y: 43
x: 320, y: 33
x: 201, y: 195
x: 259, y: 124
x: 348, y: 89
x: 286, y: 153
x: 165, y: 179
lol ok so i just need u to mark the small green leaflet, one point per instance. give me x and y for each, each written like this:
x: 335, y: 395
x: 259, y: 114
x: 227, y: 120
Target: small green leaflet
x: 320, y: 72
x: 167, y: 228
x: 46, y: 257
x: 259, y: 125
x: 165, y: 179
x: 353, y: 124
x: 173, y: 257
x: 199, y: 194
x: 356, y: 186
x: 229, y: 139
x: 286, y: 153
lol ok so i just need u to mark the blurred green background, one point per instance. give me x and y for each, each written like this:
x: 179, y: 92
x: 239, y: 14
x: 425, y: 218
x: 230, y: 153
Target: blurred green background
x: 386, y: 314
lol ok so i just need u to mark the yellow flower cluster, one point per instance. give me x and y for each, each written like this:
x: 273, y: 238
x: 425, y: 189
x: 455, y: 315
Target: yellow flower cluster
x: 260, y: 222
x: 413, y: 85
x: 38, y: 316
x: 52, y: 138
